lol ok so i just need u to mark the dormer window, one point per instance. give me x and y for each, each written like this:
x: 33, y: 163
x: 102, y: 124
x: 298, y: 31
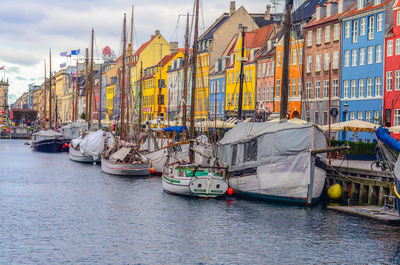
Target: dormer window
x: 318, y: 13
x: 378, y: 2
x: 360, y: 4
x: 328, y: 10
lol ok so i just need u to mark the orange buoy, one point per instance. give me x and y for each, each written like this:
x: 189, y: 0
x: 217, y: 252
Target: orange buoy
x: 152, y: 170
x: 230, y: 191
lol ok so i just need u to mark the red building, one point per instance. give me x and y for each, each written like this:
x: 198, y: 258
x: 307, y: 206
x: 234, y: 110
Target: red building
x: 391, y: 100
x: 265, y: 80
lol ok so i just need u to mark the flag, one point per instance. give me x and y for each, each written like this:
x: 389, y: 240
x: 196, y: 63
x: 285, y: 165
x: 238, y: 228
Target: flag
x: 63, y: 65
x: 68, y: 55
x: 75, y: 52
x: 64, y: 54
x: 2, y: 68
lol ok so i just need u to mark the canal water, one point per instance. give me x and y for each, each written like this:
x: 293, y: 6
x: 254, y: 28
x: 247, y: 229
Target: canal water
x: 55, y: 211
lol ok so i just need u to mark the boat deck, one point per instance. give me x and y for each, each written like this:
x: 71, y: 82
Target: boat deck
x: 371, y: 212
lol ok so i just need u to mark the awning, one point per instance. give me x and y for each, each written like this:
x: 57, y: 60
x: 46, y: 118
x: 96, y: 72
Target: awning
x: 353, y: 126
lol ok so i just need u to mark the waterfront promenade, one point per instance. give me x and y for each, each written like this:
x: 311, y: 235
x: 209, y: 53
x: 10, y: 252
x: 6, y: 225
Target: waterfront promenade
x: 55, y: 211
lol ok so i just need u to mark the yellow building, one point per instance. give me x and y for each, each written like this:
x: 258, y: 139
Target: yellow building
x: 152, y: 108
x: 110, y: 92
x: 254, y: 40
x: 202, y: 80
x: 63, y: 96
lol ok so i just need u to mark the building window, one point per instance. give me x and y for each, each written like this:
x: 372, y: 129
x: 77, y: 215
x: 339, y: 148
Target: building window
x: 336, y: 32
x: 369, y: 87
x: 377, y: 116
x: 352, y: 115
x: 347, y: 29
x: 263, y: 70
x: 259, y: 70
x: 397, y: 46
x: 389, y: 80
x: 346, y: 58
x: 327, y: 34
x: 319, y: 36
x: 309, y: 61
x: 335, y: 87
x: 278, y: 59
x: 396, y: 117
x: 353, y: 88
x: 398, y: 18
x: 335, y: 60
x: 397, y: 80
x: 370, y: 55
x: 299, y: 87
x: 268, y: 69
x: 294, y: 52
x: 362, y: 26
x: 368, y: 116
x: 360, y: 115
x: 278, y: 88
x: 361, y: 88
x: 309, y: 38
x: 379, y: 22
x: 362, y: 56
x: 327, y: 61
x: 389, y: 48
x: 293, y: 87
x: 355, y: 31
x: 326, y: 88
x: 345, y: 89
x: 371, y: 27
x: 378, y: 86
x: 325, y: 117
x: 354, y: 58
x: 300, y: 55
x: 317, y: 89
x: 318, y: 63
x: 308, y: 87
x: 378, y: 53
x: 316, y: 117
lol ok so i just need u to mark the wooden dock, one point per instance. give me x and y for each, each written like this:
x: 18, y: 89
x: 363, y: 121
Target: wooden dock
x: 370, y: 212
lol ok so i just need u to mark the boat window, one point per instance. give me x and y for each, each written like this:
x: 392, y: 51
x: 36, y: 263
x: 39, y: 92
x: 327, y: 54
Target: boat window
x: 234, y: 154
x: 250, y: 150
x: 199, y: 185
x: 218, y: 186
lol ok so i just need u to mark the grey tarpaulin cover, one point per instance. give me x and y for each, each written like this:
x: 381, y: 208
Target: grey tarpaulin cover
x: 72, y: 130
x: 120, y: 154
x: 46, y: 135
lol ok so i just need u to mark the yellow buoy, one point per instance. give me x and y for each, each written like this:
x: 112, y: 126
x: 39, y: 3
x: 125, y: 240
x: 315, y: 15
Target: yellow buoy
x: 335, y: 192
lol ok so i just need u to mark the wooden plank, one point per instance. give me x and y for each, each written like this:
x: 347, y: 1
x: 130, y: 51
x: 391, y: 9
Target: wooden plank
x: 370, y: 212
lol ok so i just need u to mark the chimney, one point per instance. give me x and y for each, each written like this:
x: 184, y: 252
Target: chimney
x: 340, y: 7
x: 328, y: 9
x: 173, y: 47
x: 318, y: 12
x: 157, y: 32
x: 268, y: 13
x: 232, y: 8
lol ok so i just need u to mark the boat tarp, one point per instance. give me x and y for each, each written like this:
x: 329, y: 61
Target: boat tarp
x: 178, y: 129
x: 93, y: 143
x: 120, y: 154
x: 383, y: 134
x: 251, y: 145
x: 72, y: 130
x: 46, y: 135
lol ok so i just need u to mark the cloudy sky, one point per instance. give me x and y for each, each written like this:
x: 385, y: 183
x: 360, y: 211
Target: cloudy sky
x: 28, y: 28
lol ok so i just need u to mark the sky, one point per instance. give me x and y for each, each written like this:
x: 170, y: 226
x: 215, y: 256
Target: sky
x: 28, y: 29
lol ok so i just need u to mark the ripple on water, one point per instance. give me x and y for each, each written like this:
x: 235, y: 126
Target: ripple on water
x: 55, y: 211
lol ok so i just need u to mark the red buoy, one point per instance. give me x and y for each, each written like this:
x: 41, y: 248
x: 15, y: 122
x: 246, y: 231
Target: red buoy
x: 230, y: 191
x: 152, y: 170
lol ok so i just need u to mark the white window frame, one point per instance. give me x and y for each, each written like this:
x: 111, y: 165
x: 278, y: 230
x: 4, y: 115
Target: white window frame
x: 294, y: 55
x: 353, y: 88
x: 335, y: 88
x: 369, y: 87
x: 368, y: 116
x: 347, y: 29
x: 294, y: 83
x: 319, y: 36
x: 352, y: 115
x: 397, y: 49
x: 362, y: 56
x: 317, y: 89
x: 346, y: 89
x: 379, y: 22
x: 371, y: 27
x: 327, y: 34
x: 396, y: 117
x: 360, y: 115
x: 318, y: 63
x: 397, y: 80
x: 398, y: 18
x: 309, y: 62
x: 389, y: 48
x: 336, y: 32
x: 370, y: 56
x: 378, y: 86
x: 347, y: 58
x: 327, y: 61
x: 326, y: 88
x: 362, y: 26
x: 335, y: 64
x: 389, y: 81
x: 361, y: 87
x: 309, y: 38
x: 377, y: 116
x: 378, y: 54
x: 355, y: 31
x: 308, y: 90
x: 354, y: 57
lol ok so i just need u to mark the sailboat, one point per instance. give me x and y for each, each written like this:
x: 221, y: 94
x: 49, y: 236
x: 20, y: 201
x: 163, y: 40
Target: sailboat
x: 88, y: 147
x: 48, y: 141
x: 123, y: 158
x: 194, y: 179
x: 276, y: 161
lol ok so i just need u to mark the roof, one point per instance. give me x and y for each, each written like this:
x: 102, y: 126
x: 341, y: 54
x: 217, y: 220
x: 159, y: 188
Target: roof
x: 306, y: 10
x: 368, y: 7
x: 260, y: 36
x: 167, y: 58
x: 326, y: 19
x: 208, y: 34
x: 259, y: 19
x: 142, y: 47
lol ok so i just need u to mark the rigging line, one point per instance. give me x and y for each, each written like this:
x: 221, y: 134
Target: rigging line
x: 175, y: 32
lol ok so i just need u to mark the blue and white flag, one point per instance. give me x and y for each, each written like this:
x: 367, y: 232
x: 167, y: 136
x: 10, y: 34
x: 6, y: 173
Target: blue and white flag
x: 64, y: 54
x: 75, y: 52
x: 63, y: 65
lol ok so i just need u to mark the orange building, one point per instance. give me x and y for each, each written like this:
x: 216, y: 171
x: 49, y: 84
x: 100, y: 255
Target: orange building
x: 295, y: 71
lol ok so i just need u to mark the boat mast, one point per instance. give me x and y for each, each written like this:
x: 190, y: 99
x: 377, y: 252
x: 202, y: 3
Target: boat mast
x: 285, y: 67
x: 45, y: 97
x: 185, y: 75
x: 73, y: 97
x: 140, y: 96
x: 100, y: 87
x: 76, y: 92
x: 194, y: 66
x: 129, y: 77
x: 122, y: 116
x: 91, y: 83
x: 86, y: 82
x: 50, y: 110
x: 240, y: 101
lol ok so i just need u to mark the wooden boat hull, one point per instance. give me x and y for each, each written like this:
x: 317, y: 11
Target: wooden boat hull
x: 77, y: 156
x: 139, y: 170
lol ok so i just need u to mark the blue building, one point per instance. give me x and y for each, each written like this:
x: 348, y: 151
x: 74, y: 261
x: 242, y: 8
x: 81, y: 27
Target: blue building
x: 217, y: 90
x: 362, y: 55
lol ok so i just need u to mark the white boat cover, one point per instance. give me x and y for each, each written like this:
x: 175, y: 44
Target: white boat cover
x: 269, y: 146
x: 93, y: 143
x: 72, y: 130
x: 46, y: 135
